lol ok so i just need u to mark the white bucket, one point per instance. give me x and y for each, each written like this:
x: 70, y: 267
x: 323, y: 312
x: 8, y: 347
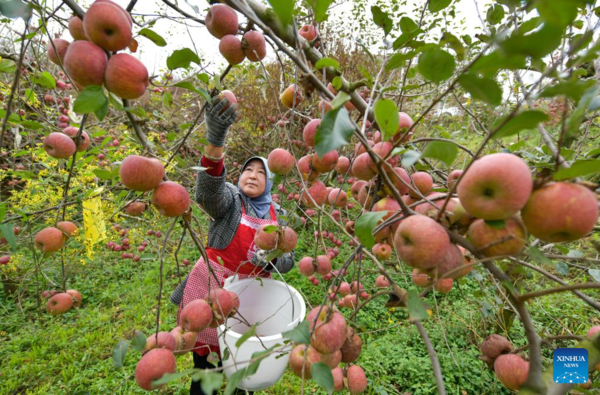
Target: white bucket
x: 279, y: 308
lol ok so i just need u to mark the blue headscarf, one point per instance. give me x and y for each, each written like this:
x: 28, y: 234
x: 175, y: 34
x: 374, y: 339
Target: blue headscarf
x: 262, y: 203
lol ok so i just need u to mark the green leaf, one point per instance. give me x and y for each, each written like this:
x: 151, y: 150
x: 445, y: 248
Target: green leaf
x: 248, y: 334
x: 209, y: 381
x: 578, y: 115
x: 169, y: 377
x: 523, y: 121
x: 327, y: 62
x: 181, y: 58
x: 12, y: 118
x: 115, y: 101
x: 9, y: 234
x: 203, y: 77
x: 365, y: 73
x: 189, y: 86
x: 364, y: 226
x: 33, y: 125
x: 119, y: 353
x: 453, y: 42
x: 139, y: 111
x: 495, y: 14
x: 558, y: 12
x: 578, y: 169
x: 482, y: 88
x: 496, y: 223
x: 321, y: 374
x: 44, y: 79
x: 407, y: 25
x: 334, y: 131
x: 416, y: 308
x: 405, y: 39
x: 103, y: 174
x: 573, y: 89
x: 2, y: 211
x: 410, y: 157
x: 398, y: 60
x: 320, y: 8
x: 595, y: 273
x: 561, y: 268
x: 438, y: 5
x: 441, y: 150
x: 258, y: 357
x: 271, y: 228
x: 7, y: 66
x: 538, y: 256
x: 16, y: 9
x: 490, y: 64
x: 167, y: 99
x: 339, y: 100
x: 594, y: 152
x: 30, y: 96
x: 153, y: 36
x: 213, y: 358
x: 436, y: 65
x: 537, y: 44
x: 337, y: 83
x: 102, y: 111
x: 139, y: 341
x: 382, y: 19
x: 284, y: 10
x: 531, y: 24
x: 386, y: 115
x: 300, y: 334
x: 234, y: 380
x: 90, y: 100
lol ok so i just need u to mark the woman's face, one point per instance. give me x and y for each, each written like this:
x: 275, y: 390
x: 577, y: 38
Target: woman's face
x: 253, y: 179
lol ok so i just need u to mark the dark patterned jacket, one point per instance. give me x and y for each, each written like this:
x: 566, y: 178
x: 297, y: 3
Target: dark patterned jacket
x: 222, y: 201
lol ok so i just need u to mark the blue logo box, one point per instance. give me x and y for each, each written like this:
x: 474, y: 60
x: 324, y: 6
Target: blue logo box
x: 570, y: 365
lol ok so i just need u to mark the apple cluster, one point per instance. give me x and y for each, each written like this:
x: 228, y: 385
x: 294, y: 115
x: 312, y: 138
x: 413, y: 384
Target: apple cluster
x: 62, y: 102
x: 510, y: 368
x: 62, y: 145
x: 332, y: 342
x: 125, y: 245
x: 53, y: 238
x: 61, y: 302
x: 106, y: 27
x: 270, y: 237
x: 5, y: 259
x: 222, y: 22
x: 158, y: 356
x: 146, y: 174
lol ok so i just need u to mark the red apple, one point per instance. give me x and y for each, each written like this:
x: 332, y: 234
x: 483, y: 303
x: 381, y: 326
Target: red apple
x: 140, y: 173
x: 108, y: 25
x: 561, y: 212
x: 496, y: 186
x: 170, y: 199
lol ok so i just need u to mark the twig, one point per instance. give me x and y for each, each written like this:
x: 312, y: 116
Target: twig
x: 543, y: 292
x: 437, y: 371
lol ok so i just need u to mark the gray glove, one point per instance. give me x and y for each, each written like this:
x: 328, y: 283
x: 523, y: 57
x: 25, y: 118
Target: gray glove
x: 216, y: 123
x: 258, y: 259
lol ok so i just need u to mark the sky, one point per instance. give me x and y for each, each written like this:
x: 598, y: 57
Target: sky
x: 195, y: 36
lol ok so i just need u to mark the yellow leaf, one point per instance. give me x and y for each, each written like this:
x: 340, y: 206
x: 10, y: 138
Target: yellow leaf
x: 93, y: 223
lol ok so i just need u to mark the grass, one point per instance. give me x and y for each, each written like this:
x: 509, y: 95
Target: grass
x: 72, y: 353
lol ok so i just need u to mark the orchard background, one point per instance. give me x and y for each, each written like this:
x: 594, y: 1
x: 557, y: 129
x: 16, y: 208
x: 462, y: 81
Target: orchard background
x: 524, y: 84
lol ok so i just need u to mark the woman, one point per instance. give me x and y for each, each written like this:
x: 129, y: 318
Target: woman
x: 236, y: 213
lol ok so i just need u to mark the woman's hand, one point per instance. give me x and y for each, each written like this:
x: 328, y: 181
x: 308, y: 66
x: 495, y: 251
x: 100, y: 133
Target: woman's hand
x: 219, y: 121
